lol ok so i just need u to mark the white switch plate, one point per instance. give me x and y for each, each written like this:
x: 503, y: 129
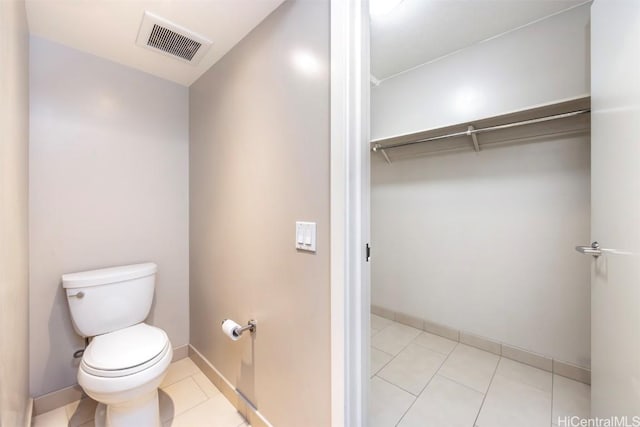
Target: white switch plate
x: 306, y: 236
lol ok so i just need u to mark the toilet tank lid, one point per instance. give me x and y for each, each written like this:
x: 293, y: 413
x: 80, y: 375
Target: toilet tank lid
x: 104, y: 276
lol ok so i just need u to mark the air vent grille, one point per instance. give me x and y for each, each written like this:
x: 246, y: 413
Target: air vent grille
x: 168, y: 38
x: 173, y: 43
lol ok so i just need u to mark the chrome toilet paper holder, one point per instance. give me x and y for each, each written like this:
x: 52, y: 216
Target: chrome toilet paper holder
x: 250, y: 326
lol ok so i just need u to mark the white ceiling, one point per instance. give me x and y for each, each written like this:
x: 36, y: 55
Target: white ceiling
x: 419, y: 31
x: 108, y: 28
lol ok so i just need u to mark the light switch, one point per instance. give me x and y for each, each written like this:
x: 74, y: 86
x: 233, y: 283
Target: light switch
x: 306, y: 236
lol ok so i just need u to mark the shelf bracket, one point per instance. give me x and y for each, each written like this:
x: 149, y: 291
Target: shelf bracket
x: 474, y: 138
x: 379, y: 148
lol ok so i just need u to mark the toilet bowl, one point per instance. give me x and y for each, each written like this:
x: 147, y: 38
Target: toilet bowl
x: 123, y: 370
x: 126, y: 359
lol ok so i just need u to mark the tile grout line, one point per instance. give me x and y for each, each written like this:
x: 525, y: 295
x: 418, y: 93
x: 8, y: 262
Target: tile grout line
x: 459, y: 383
x: 383, y: 366
x: 383, y: 328
x: 421, y: 331
x: 199, y: 387
x: 195, y: 406
x: 185, y: 411
x: 393, y: 358
x: 162, y: 387
x: 375, y: 374
x: 201, y: 403
x: 382, y: 351
x: 427, y: 384
x: 403, y: 349
x: 396, y: 386
x: 436, y: 351
x: 177, y: 381
x: 207, y: 398
x: 484, y: 398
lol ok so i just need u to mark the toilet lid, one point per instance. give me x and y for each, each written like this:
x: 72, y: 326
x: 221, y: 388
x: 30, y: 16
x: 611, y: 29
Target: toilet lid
x: 125, y: 351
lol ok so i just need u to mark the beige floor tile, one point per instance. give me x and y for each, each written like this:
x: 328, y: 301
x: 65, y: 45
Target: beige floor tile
x: 517, y: 371
x: 444, y: 403
x: 191, y: 398
x: 180, y: 397
x: 435, y: 342
x: 470, y: 366
x: 512, y: 403
x: 379, y: 323
x: 179, y: 370
x: 81, y: 411
x: 378, y: 360
x: 412, y: 368
x: 570, y: 398
x: 206, y: 385
x: 394, y: 338
x: 388, y: 403
x: 216, y: 411
x: 55, y: 418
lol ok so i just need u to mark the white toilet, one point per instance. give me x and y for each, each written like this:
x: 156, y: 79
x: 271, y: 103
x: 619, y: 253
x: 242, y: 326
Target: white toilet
x: 127, y: 359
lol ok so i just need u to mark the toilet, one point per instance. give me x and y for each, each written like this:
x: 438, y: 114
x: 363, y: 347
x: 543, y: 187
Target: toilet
x: 126, y: 359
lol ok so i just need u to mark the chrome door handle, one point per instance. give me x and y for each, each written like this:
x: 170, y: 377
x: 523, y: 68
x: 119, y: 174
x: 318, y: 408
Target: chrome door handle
x: 593, y: 250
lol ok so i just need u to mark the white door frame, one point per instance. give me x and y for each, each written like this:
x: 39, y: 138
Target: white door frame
x: 350, y: 287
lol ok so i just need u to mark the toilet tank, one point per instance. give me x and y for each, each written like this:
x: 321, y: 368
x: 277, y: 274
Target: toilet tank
x: 109, y: 299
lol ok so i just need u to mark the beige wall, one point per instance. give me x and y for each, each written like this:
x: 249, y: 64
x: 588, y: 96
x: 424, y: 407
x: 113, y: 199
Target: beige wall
x: 259, y: 161
x: 14, y: 285
x: 109, y: 186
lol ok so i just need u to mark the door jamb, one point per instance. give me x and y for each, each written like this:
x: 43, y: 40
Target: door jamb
x: 350, y: 278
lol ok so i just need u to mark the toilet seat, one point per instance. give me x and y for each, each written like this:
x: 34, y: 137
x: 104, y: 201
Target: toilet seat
x: 125, y: 352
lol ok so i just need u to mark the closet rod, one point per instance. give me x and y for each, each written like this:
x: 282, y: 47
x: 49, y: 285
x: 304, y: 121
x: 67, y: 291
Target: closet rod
x: 471, y: 132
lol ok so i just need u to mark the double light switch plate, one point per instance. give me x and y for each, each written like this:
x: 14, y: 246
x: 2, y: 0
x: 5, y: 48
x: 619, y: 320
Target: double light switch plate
x: 306, y: 236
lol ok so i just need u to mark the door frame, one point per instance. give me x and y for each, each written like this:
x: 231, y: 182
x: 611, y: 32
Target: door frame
x: 350, y: 278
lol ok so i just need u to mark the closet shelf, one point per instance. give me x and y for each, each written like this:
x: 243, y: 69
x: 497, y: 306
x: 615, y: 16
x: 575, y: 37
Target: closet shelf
x: 528, y: 125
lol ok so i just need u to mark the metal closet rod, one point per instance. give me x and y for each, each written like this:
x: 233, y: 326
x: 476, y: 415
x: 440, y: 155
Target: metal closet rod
x: 471, y: 131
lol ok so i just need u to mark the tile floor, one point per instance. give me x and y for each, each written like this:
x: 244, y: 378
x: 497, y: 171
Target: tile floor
x: 419, y: 379
x: 187, y: 399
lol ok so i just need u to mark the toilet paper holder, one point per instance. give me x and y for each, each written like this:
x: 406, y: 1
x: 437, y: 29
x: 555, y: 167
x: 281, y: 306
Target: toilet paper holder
x: 250, y: 326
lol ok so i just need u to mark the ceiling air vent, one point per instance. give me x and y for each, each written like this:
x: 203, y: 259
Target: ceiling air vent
x: 163, y: 36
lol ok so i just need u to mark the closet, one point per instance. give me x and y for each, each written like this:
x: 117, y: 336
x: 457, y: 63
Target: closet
x: 480, y: 192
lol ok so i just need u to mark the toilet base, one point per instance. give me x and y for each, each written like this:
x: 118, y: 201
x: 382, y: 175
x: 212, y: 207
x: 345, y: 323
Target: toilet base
x: 100, y: 419
x: 141, y: 412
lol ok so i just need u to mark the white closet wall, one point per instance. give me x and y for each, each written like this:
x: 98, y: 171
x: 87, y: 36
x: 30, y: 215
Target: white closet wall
x: 541, y: 63
x: 484, y: 242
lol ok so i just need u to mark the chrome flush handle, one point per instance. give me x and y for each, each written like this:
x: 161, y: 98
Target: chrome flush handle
x: 79, y: 295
